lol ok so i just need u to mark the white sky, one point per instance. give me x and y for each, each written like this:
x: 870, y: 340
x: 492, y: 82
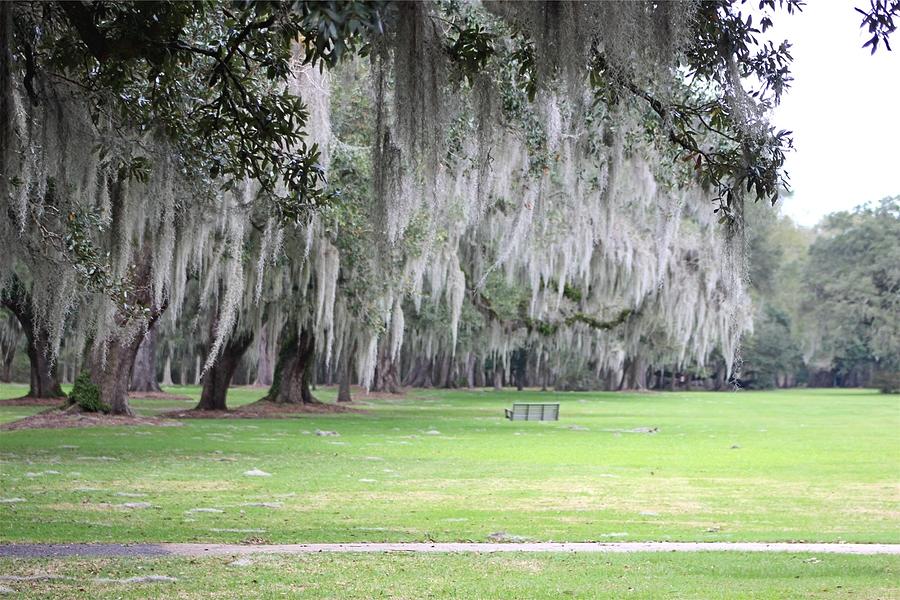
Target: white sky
x: 844, y: 110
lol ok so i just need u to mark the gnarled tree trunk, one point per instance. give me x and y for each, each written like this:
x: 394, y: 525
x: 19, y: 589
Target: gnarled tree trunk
x: 217, y: 378
x: 112, y: 365
x: 419, y: 374
x: 143, y: 375
x: 113, y: 374
x: 634, y: 375
x: 386, y: 379
x: 44, y: 381
x: 293, y: 371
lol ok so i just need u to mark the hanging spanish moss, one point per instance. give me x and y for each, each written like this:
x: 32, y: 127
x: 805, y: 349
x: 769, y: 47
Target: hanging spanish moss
x: 475, y: 213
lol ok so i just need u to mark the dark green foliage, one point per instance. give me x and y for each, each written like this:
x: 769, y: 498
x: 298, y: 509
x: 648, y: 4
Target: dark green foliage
x: 542, y: 327
x: 470, y: 47
x: 887, y: 381
x: 853, y: 283
x: 767, y: 256
x: 772, y: 353
x: 209, y: 76
x: 828, y: 299
x: 572, y: 293
x: 598, y: 324
x: 86, y: 395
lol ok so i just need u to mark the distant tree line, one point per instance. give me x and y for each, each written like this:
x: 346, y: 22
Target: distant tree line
x: 827, y: 301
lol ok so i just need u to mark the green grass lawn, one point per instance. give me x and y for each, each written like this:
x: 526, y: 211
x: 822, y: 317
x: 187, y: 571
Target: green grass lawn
x: 707, y: 575
x: 443, y: 465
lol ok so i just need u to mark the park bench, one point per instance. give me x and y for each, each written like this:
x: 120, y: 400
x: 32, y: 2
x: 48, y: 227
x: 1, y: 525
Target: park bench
x: 533, y: 412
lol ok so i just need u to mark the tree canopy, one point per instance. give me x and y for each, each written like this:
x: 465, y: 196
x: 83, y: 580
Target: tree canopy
x: 330, y: 168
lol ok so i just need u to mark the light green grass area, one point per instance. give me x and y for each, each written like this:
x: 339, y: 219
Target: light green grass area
x: 442, y: 465
x: 707, y: 575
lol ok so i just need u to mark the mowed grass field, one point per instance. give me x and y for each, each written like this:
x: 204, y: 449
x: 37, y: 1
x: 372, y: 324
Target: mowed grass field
x: 442, y: 465
x: 469, y: 576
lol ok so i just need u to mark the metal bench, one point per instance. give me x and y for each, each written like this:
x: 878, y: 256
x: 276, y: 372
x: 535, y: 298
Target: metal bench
x: 533, y: 412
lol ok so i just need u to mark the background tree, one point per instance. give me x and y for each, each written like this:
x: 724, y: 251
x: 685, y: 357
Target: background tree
x: 853, y: 283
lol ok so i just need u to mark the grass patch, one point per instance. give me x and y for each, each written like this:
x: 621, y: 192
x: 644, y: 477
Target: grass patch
x: 706, y: 575
x: 812, y: 465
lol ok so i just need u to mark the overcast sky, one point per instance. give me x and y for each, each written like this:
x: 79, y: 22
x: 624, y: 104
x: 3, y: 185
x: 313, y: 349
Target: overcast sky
x: 844, y: 110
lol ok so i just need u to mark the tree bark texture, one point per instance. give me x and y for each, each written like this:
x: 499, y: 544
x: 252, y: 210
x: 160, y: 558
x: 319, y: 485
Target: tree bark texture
x: 143, y: 375
x: 217, y: 378
x: 386, y: 378
x: 291, y: 381
x: 9, y: 355
x: 112, y: 365
x: 265, y: 364
x: 344, y: 369
x: 498, y: 377
x: 167, y: 371
x: 44, y: 379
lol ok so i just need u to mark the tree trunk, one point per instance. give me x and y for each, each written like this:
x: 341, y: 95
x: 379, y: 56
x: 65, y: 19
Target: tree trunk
x: 265, y: 365
x: 143, y: 375
x: 44, y: 381
x: 479, y: 374
x: 386, y: 374
x: 183, y: 373
x: 634, y: 375
x: 443, y: 379
x: 519, y: 367
x: 9, y: 355
x: 414, y: 375
x: 113, y: 375
x: 290, y: 384
x: 719, y: 378
x: 471, y: 365
x: 218, y: 377
x: 498, y: 377
x: 344, y: 373
x: 198, y: 369
x: 420, y: 374
x: 167, y: 371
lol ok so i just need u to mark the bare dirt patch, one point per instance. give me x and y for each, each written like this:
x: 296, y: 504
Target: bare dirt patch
x: 64, y: 419
x: 263, y: 409
x: 157, y: 396
x: 360, y: 393
x: 32, y: 401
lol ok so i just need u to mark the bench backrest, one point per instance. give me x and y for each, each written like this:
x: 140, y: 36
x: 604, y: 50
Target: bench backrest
x: 535, y: 412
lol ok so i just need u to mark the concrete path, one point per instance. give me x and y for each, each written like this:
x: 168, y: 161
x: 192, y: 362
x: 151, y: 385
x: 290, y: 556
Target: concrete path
x: 193, y: 550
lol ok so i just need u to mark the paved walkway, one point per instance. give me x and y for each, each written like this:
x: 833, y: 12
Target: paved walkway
x: 148, y: 550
